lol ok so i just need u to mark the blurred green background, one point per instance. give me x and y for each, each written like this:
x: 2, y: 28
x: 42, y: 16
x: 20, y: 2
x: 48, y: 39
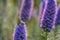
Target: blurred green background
x: 9, y: 10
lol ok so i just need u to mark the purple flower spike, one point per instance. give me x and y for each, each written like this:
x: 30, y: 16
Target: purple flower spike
x: 58, y: 16
x: 49, y: 15
x: 26, y: 10
x: 41, y: 9
x: 20, y: 32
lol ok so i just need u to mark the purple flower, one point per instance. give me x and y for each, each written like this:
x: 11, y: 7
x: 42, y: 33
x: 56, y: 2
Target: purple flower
x: 41, y: 9
x: 26, y: 10
x: 20, y: 32
x: 49, y: 15
x: 58, y: 16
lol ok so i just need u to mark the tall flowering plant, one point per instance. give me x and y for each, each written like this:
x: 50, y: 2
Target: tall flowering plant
x: 48, y: 16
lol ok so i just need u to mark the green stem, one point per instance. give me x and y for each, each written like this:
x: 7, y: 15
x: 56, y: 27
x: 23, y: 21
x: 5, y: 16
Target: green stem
x: 46, y: 34
x: 55, y: 32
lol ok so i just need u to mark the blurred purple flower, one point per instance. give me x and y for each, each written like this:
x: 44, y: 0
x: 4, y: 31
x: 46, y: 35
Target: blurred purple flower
x: 41, y: 9
x: 49, y: 15
x: 58, y: 16
x: 20, y: 32
x: 26, y: 10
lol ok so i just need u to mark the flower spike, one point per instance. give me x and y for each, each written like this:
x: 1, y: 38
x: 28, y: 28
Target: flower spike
x: 58, y: 16
x: 49, y: 15
x: 26, y: 10
x: 41, y: 9
x: 20, y: 32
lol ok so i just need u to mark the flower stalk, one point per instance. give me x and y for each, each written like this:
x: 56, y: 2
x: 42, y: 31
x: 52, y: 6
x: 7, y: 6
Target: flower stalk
x: 48, y: 18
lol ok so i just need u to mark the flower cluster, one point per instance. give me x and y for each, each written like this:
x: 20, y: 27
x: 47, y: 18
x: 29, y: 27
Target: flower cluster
x: 49, y: 15
x: 20, y: 32
x: 26, y: 10
x: 41, y: 9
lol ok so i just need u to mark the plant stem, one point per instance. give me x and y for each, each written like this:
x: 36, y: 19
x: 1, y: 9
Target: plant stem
x: 46, y: 34
x: 55, y: 32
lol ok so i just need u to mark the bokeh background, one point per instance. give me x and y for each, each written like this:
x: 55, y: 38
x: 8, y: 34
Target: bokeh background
x: 9, y: 15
